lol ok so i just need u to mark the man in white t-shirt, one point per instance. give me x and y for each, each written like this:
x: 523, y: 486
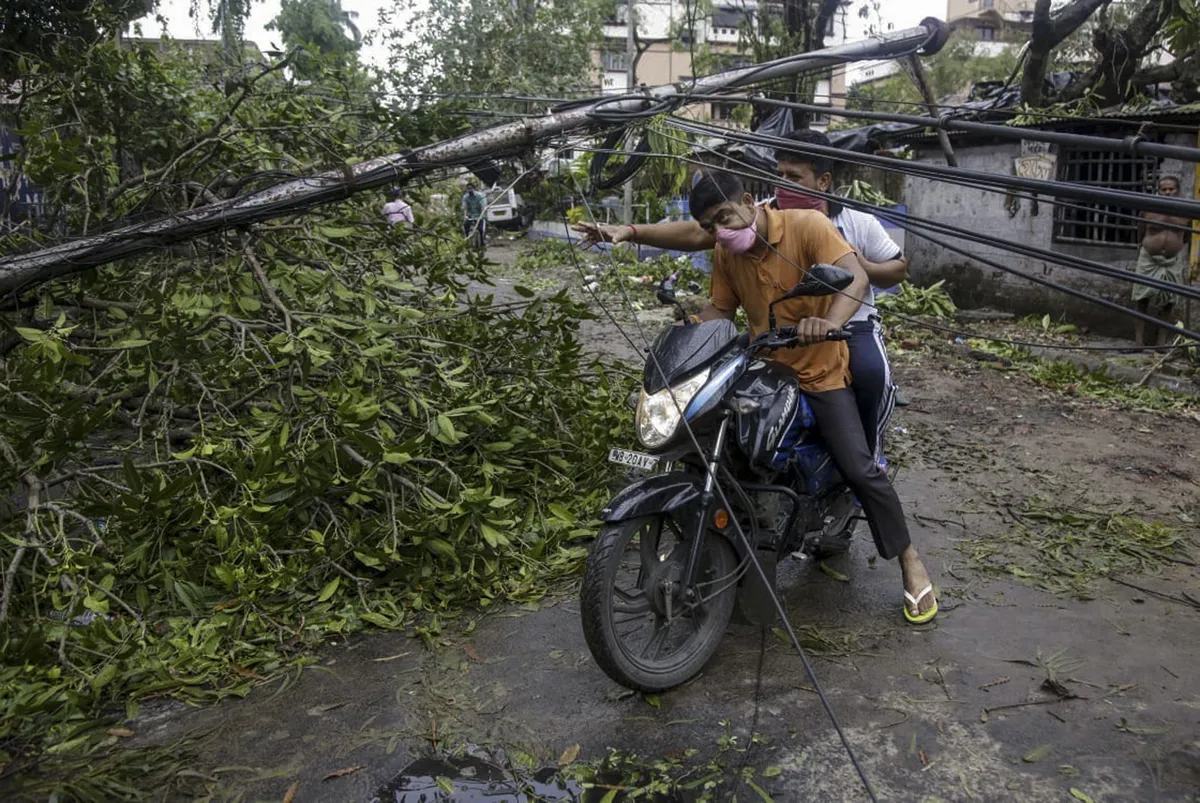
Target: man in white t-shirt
x: 397, y: 210
x: 879, y: 255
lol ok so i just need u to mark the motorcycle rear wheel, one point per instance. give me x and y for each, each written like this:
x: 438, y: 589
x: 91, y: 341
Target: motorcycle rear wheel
x: 624, y: 611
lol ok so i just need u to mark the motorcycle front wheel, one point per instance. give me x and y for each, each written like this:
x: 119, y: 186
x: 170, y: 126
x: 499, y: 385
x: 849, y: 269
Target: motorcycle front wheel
x: 641, y: 635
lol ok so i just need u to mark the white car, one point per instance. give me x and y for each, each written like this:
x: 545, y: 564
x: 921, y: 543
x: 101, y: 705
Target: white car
x: 505, y: 209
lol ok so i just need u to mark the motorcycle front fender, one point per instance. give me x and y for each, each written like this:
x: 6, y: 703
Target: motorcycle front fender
x: 675, y: 492
x: 657, y: 493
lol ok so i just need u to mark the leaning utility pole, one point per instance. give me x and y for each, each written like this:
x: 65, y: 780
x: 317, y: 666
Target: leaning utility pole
x: 22, y: 271
x: 630, y: 85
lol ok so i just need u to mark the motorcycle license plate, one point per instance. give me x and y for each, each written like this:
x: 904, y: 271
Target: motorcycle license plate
x: 622, y: 457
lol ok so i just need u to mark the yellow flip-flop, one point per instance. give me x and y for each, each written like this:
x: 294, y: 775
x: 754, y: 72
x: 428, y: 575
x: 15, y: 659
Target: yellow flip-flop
x: 915, y: 602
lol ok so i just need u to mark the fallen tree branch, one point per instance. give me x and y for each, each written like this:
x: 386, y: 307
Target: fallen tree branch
x: 32, y: 499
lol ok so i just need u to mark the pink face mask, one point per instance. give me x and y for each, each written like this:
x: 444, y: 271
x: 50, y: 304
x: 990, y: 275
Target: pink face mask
x: 792, y: 199
x: 738, y: 241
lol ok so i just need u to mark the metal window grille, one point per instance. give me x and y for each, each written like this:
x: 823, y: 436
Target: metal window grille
x: 614, y: 60
x: 1095, y: 223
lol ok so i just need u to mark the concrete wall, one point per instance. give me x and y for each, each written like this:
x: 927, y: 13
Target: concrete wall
x: 974, y: 285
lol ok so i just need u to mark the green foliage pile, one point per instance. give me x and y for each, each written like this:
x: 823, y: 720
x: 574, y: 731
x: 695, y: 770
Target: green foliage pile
x: 1068, y: 378
x: 910, y: 300
x: 220, y: 455
x: 1065, y: 551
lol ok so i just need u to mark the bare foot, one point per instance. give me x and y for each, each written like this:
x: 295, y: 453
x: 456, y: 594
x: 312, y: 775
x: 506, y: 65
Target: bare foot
x: 915, y: 580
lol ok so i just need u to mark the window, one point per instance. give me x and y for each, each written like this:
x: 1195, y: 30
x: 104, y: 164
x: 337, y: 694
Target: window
x: 1094, y: 223
x: 620, y: 13
x: 989, y: 3
x: 723, y: 111
x: 728, y: 18
x: 614, y: 61
x: 987, y: 34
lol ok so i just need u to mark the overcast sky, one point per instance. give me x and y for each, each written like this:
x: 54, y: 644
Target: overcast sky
x: 181, y: 26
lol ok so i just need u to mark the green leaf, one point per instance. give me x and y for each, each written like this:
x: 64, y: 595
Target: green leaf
x: 440, y: 547
x: 336, y: 232
x: 31, y: 335
x: 446, y: 432
x: 368, y: 560
x: 772, y: 771
x: 762, y: 793
x: 561, y: 513
x: 330, y: 589
x: 1037, y: 753
x: 523, y: 291
x: 1081, y: 795
x: 104, y: 677
x: 132, y: 343
x: 494, y: 537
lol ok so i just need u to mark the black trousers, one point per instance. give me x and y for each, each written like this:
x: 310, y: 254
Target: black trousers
x: 871, y: 376
x: 842, y: 429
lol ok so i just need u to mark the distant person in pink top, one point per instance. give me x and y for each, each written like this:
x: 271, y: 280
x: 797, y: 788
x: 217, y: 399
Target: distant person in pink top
x: 398, y: 210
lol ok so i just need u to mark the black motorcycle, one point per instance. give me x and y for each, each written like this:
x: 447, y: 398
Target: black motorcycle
x: 664, y: 573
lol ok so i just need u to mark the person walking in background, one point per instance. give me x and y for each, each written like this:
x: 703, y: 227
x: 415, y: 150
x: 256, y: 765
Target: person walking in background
x: 397, y: 211
x: 474, y: 204
x: 1161, y: 257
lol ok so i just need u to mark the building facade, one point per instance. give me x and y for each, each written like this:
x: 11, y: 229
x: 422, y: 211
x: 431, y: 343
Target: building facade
x: 1103, y: 233
x: 994, y: 24
x: 674, y: 42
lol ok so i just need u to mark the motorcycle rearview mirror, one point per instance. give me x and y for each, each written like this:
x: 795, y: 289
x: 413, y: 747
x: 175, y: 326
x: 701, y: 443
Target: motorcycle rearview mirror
x: 666, y: 290
x: 819, y: 280
x: 666, y: 296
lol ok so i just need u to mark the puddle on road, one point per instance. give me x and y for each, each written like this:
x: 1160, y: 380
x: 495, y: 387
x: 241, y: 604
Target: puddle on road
x: 478, y: 777
x: 470, y: 778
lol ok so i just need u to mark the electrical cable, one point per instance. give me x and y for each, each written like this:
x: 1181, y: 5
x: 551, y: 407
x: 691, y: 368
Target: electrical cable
x: 747, y: 546
x: 973, y: 335
x: 1133, y: 145
x: 1066, y: 260
x: 962, y: 183
x: 1177, y: 207
x: 906, y: 222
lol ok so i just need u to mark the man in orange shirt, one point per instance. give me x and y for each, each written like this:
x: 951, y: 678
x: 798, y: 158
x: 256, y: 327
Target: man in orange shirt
x: 760, y: 254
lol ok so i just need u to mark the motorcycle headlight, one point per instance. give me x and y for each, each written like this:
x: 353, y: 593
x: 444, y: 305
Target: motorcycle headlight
x: 659, y: 414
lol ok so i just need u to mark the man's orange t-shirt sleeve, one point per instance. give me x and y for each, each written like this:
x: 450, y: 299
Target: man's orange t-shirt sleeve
x: 822, y: 241
x: 723, y: 295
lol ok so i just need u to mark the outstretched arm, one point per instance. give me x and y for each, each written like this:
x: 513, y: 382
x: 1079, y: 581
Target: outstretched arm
x: 679, y: 235
x: 886, y: 274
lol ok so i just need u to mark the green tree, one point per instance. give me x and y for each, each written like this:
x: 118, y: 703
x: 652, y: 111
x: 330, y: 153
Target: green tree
x: 40, y: 28
x: 498, y: 47
x: 1116, y: 46
x: 320, y: 27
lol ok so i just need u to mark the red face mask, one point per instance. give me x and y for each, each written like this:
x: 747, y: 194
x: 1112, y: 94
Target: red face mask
x: 792, y: 199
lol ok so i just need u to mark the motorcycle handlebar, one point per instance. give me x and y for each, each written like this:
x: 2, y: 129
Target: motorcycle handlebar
x: 785, y: 337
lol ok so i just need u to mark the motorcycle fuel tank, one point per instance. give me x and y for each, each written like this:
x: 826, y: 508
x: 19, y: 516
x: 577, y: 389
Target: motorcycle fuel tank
x: 778, y: 410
